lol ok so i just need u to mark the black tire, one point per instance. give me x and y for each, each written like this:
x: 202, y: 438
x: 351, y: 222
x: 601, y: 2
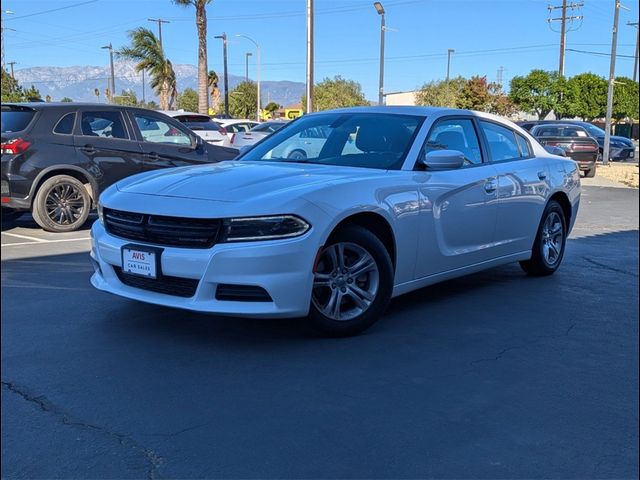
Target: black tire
x: 591, y: 172
x: 298, y: 154
x: 61, y: 204
x: 353, y: 239
x: 540, y: 264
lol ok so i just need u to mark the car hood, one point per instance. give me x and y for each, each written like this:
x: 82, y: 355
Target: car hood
x: 615, y: 138
x: 235, y: 181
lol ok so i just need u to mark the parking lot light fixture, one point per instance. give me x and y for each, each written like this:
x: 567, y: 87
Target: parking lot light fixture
x: 242, y: 35
x: 223, y: 37
x: 380, y: 9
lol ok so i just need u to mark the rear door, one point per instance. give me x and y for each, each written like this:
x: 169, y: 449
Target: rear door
x: 166, y: 143
x: 523, y: 187
x: 108, y: 145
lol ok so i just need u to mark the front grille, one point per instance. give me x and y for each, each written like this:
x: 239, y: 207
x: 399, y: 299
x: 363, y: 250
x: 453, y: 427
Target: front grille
x: 242, y: 293
x: 161, y: 230
x: 176, y: 286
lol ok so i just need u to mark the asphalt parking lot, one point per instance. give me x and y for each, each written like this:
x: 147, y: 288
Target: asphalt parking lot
x: 496, y: 375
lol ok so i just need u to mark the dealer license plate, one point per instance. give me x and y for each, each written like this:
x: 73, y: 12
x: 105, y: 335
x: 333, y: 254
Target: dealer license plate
x: 140, y: 261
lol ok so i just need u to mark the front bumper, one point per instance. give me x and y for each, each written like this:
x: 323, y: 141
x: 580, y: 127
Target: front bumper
x: 622, y: 153
x: 283, y: 268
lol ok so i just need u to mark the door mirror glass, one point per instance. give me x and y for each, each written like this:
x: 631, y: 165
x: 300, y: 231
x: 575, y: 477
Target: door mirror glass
x: 443, y: 160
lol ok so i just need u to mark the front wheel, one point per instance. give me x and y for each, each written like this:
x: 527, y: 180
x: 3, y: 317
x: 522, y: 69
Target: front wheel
x: 61, y: 204
x: 548, y: 248
x: 352, y: 285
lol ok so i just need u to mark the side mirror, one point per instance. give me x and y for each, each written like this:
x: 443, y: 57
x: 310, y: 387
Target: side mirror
x: 443, y: 160
x: 196, y: 142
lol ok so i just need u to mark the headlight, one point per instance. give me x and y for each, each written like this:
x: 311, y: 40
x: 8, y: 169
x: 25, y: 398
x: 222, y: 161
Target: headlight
x: 100, y: 214
x: 263, y: 228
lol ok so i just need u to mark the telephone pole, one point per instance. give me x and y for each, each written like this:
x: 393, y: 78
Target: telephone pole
x: 2, y: 29
x: 449, y: 52
x: 309, y: 91
x: 635, y: 63
x: 612, y: 76
x: 159, y: 21
x: 113, y: 76
x: 563, y: 26
x: 223, y: 37
x: 11, y: 64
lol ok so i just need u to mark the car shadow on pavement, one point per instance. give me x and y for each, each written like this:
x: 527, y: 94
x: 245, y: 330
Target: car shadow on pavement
x: 26, y: 221
x: 479, y: 299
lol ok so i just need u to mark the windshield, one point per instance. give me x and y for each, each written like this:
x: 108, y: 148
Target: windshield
x: 368, y: 140
x: 16, y: 120
x: 268, y: 127
x: 593, y: 130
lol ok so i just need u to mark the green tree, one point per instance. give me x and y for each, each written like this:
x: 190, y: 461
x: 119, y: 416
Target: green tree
x: 145, y: 49
x: 201, y: 25
x: 625, y: 99
x: 499, y: 103
x: 243, y: 100
x: 538, y: 92
x: 126, y: 97
x: 475, y: 94
x: 441, y: 93
x: 151, y: 105
x: 66, y: 100
x: 11, y: 91
x: 188, y: 100
x: 336, y: 92
x: 585, y: 96
x: 271, y: 107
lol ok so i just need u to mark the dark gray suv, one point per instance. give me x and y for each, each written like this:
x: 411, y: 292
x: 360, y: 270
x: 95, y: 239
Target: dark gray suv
x: 58, y: 157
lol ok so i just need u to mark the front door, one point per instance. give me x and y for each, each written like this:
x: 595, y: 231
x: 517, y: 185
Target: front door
x: 109, y: 147
x: 166, y: 143
x: 458, y: 207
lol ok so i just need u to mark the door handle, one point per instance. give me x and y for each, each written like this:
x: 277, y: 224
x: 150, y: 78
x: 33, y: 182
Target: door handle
x: 542, y: 175
x: 153, y: 156
x: 490, y: 187
x: 88, y: 149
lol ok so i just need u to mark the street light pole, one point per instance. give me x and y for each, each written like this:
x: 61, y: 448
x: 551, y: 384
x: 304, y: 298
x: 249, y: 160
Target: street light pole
x: 612, y: 74
x: 246, y: 66
x: 309, y: 89
x: 113, y: 76
x: 635, y: 63
x: 226, y: 77
x: 449, y: 52
x: 380, y: 9
x: 258, y: 110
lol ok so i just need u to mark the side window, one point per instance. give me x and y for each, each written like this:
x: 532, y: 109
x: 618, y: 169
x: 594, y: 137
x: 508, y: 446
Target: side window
x: 502, y: 141
x: 455, y: 134
x: 525, y: 150
x: 103, y: 124
x: 65, y: 124
x: 156, y: 130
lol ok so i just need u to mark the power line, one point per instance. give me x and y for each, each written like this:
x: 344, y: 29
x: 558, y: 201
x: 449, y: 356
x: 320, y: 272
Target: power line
x: 602, y: 54
x: 53, y: 10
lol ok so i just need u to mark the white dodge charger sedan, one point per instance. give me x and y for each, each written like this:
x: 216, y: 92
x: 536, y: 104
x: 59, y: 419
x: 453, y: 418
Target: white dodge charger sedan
x: 396, y: 198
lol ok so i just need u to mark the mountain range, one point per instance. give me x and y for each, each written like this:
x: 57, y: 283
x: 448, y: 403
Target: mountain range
x: 79, y: 83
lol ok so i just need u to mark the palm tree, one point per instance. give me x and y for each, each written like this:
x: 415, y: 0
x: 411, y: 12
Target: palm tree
x: 212, y: 81
x: 201, y: 24
x: 145, y: 49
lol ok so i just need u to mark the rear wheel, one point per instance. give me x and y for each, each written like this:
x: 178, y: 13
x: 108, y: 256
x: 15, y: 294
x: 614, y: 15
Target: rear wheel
x: 61, y: 204
x: 590, y: 173
x: 548, y: 248
x: 297, y: 155
x: 352, y: 285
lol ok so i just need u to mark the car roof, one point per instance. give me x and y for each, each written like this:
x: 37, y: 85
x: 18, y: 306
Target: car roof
x: 178, y: 113
x: 402, y: 110
x: 559, y: 125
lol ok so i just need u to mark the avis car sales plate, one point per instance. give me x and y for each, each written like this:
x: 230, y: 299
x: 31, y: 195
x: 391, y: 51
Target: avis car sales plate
x: 141, y: 261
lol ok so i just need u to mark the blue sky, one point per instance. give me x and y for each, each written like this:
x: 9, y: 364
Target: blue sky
x: 486, y: 35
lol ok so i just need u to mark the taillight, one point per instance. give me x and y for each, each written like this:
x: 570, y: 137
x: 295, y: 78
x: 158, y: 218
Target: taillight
x: 14, y: 146
x: 233, y: 137
x: 223, y: 130
x: 584, y: 148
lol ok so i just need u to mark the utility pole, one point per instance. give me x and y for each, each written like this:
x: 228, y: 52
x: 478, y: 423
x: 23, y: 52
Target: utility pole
x: 11, y: 64
x: 2, y: 29
x: 113, y: 76
x: 612, y: 75
x: 449, y: 52
x: 635, y: 63
x: 246, y: 66
x: 159, y: 21
x: 563, y: 26
x: 309, y: 92
x: 223, y: 37
x: 380, y: 9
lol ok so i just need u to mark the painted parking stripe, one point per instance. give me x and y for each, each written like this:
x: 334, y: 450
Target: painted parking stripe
x: 44, y: 242
x: 24, y: 237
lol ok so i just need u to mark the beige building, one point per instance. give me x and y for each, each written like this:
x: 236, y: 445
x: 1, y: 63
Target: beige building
x: 400, y: 98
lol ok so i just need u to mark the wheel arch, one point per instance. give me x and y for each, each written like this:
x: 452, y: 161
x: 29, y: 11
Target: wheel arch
x: 70, y: 170
x: 562, y: 198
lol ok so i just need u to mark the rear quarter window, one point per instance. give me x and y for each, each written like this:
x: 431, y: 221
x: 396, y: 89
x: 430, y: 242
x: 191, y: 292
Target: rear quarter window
x: 16, y: 119
x: 65, y: 124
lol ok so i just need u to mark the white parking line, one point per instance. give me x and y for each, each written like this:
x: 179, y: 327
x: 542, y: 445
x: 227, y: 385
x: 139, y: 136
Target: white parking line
x: 24, y: 237
x: 44, y: 242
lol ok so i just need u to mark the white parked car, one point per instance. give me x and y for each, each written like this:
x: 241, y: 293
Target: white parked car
x: 397, y: 198
x: 257, y: 133
x: 203, y: 126
x: 234, y: 125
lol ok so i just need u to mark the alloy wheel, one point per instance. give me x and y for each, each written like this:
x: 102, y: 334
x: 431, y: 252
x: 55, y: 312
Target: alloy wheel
x: 552, y: 238
x: 64, y: 204
x: 346, y: 281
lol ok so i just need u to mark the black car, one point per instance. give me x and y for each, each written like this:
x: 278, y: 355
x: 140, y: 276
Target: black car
x: 620, y: 148
x: 574, y: 140
x: 58, y: 157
